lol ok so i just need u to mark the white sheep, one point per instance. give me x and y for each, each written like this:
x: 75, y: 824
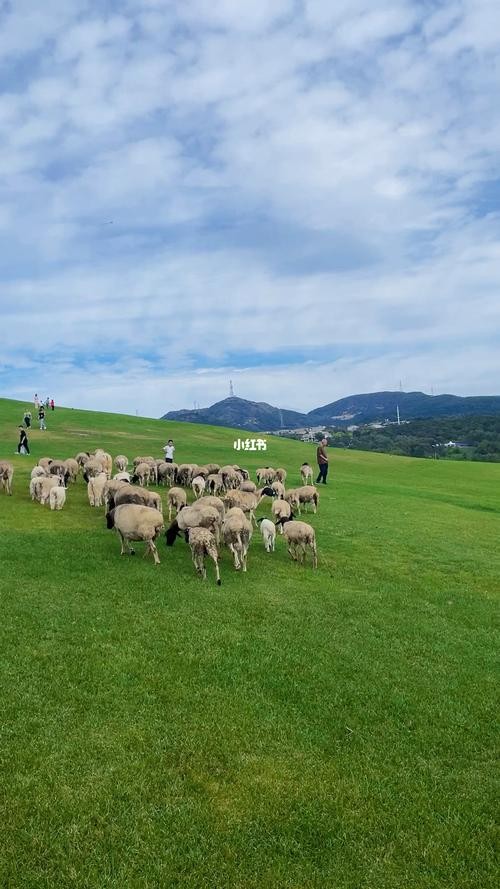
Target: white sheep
x: 281, y: 509
x: 198, y: 486
x: 300, y: 536
x: 192, y: 517
x: 306, y: 473
x: 6, y: 476
x: 202, y: 543
x: 237, y: 533
x: 38, y: 472
x: 278, y: 489
x: 122, y: 477
x: 95, y: 489
x: 57, y: 497
x: 121, y: 463
x: 45, y: 486
x: 142, y: 474
x: 176, y: 499
x: 134, y: 522
x: 268, y: 531
x: 308, y: 494
x: 281, y: 475
x: 132, y: 494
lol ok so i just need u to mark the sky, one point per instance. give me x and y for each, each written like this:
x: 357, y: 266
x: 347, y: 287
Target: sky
x: 300, y: 196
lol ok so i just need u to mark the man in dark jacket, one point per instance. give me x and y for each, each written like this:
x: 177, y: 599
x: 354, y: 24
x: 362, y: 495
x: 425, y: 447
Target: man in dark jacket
x: 322, y: 461
x: 23, y: 446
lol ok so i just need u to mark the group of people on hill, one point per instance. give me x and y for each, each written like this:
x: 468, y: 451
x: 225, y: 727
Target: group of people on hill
x: 41, y: 407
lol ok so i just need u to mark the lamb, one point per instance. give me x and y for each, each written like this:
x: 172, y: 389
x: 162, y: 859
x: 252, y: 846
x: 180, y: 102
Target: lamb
x: 281, y: 509
x: 202, y: 543
x: 95, y: 489
x: 6, y: 476
x: 57, y: 497
x: 308, y: 494
x: 134, y: 522
x: 142, y: 474
x: 71, y: 470
x: 299, y: 536
x: 281, y: 475
x: 193, y: 517
x: 139, y: 496
x: 306, y: 474
x: 121, y: 463
x: 176, y: 499
x: 198, y: 486
x: 268, y: 531
x: 237, y: 533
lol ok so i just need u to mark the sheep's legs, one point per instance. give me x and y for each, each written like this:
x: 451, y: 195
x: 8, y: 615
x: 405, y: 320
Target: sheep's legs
x: 154, y: 552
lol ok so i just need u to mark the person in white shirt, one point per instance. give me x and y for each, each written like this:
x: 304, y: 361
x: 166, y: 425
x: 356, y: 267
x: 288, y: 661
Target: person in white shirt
x: 169, y: 451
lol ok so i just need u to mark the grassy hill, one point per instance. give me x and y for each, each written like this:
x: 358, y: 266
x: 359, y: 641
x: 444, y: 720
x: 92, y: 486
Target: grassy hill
x: 290, y: 728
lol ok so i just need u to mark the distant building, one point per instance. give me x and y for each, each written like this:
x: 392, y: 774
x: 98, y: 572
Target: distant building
x: 456, y: 444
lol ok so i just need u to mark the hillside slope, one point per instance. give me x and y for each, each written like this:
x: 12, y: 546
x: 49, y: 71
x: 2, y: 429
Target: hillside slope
x: 289, y: 728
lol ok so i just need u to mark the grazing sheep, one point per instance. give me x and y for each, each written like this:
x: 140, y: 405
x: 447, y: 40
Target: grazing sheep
x: 134, y: 522
x: 142, y: 474
x: 176, y: 499
x: 212, y: 468
x: 237, y: 533
x: 71, y: 470
x: 121, y: 477
x: 198, y: 486
x: 57, y: 467
x: 81, y: 458
x: 266, y: 475
x: 278, y: 489
x: 231, y: 479
x: 121, y: 463
x: 38, y: 472
x: 45, y: 486
x: 268, y: 531
x: 139, y: 496
x: 94, y: 466
x: 95, y: 489
x: 281, y: 509
x: 308, y: 494
x: 106, y: 460
x: 306, y: 473
x: 45, y: 462
x: 6, y: 476
x: 247, y: 501
x: 243, y: 473
x: 248, y: 486
x: 215, y: 483
x: 57, y: 497
x: 202, y: 543
x: 111, y: 487
x: 216, y: 502
x: 167, y: 473
x: 292, y: 498
x: 281, y: 475
x: 299, y: 537
x: 193, y: 517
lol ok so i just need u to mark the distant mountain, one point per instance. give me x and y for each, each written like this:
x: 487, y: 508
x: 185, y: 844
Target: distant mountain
x: 257, y: 416
x: 373, y: 406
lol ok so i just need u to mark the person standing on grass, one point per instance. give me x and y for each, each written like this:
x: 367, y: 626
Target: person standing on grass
x: 322, y: 461
x: 41, y: 417
x: 27, y: 418
x: 169, y: 451
x: 23, y: 446
x: 52, y: 405
x: 36, y: 401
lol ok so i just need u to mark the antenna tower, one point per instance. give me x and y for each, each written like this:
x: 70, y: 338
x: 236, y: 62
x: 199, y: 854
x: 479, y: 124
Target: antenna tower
x: 231, y: 389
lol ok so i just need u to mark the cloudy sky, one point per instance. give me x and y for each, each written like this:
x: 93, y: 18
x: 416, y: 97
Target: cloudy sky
x: 298, y: 195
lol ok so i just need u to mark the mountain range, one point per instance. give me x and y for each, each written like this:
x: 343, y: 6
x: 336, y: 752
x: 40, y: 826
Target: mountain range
x: 258, y: 416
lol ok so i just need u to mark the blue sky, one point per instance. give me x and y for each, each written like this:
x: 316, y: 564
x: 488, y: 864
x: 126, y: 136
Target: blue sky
x: 298, y: 195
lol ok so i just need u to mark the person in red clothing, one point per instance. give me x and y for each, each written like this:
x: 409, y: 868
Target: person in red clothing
x: 52, y: 405
x: 322, y: 461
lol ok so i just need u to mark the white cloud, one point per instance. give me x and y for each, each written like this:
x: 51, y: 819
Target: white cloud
x: 220, y: 179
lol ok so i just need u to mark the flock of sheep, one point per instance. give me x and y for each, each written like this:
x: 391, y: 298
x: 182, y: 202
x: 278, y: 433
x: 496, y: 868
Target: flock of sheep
x: 222, y: 513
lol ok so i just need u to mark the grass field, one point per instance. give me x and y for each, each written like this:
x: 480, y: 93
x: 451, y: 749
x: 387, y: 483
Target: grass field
x: 290, y: 728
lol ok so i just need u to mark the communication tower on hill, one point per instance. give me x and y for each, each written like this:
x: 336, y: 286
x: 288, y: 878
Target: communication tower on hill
x: 231, y: 389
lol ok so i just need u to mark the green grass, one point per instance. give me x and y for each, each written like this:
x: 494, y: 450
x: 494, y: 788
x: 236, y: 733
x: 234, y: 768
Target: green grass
x: 291, y: 728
